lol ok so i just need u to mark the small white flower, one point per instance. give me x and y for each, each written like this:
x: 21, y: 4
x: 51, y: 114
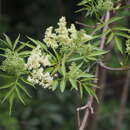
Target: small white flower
x: 50, y: 38
x: 88, y: 37
x: 45, y: 61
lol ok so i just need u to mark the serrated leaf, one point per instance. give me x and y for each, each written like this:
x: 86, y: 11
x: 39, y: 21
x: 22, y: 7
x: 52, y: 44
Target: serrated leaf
x: 110, y: 38
x: 94, y: 94
x: 3, y: 42
x: 63, y: 68
x: 83, y: 2
x: 11, y: 100
x: 3, y: 56
x: 73, y: 83
x: 3, y: 49
x: 75, y: 59
x: 87, y: 89
x: 7, y: 95
x: 62, y: 85
x: 19, y: 95
x: 98, y: 52
x: 121, y: 29
x: 85, y: 75
x: 8, y: 40
x: 24, y: 53
x: 91, y: 58
x: 24, y: 44
x: 6, y: 76
x: 37, y: 43
x: 106, y: 32
x: 118, y: 44
x: 122, y: 34
x: 24, y: 90
x: 91, y: 92
x: 27, y: 82
x: 114, y: 19
x: 100, y: 26
x: 55, y: 85
x: 16, y: 42
x: 6, y: 86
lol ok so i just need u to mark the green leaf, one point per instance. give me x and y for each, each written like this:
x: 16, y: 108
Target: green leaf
x: 63, y: 69
x: 19, y: 95
x: 3, y: 49
x: 99, y: 27
x: 27, y: 82
x: 16, y: 42
x: 6, y: 86
x: 122, y: 34
x: 11, y: 100
x: 85, y: 75
x: 114, y: 19
x: 57, y: 67
x: 23, y: 88
x: 94, y: 94
x: 24, y: 44
x: 8, y: 41
x: 6, y: 76
x: 62, y: 85
x: 3, y: 56
x: 83, y: 2
x: 110, y: 38
x: 24, y: 53
x: 73, y: 83
x: 88, y: 89
x: 106, y: 32
x: 55, y: 85
x: 91, y: 58
x: 75, y: 59
x: 121, y: 29
x: 118, y: 44
x: 3, y: 42
x: 91, y: 92
x: 37, y: 43
x: 98, y: 52
x: 8, y: 94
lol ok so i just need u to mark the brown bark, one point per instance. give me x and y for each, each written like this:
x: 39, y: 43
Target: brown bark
x: 122, y: 109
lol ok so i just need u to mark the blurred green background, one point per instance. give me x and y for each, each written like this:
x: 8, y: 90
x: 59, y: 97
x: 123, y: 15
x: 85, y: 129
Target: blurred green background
x: 54, y: 110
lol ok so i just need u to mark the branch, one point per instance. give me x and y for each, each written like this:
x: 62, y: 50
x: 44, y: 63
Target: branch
x: 113, y: 69
x: 89, y: 110
x: 91, y: 98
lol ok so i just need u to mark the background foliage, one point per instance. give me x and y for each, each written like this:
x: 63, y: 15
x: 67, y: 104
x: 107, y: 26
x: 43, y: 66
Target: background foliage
x: 47, y: 110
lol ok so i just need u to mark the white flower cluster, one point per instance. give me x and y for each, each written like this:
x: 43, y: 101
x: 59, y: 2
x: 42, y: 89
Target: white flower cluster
x: 63, y: 35
x: 36, y: 64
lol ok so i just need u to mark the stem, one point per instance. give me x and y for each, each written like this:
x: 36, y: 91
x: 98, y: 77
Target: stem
x: 91, y: 98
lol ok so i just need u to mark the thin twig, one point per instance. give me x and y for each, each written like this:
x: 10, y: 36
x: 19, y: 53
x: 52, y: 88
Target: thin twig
x: 113, y: 69
x: 84, y: 25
